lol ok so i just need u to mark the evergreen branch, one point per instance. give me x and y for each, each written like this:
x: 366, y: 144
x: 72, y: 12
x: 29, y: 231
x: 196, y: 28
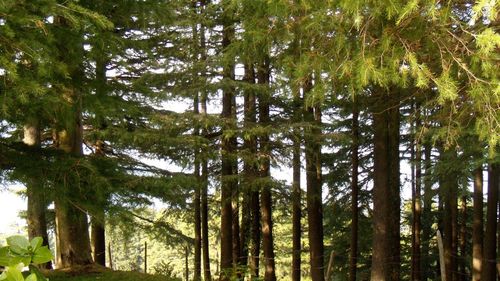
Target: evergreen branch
x: 165, y: 226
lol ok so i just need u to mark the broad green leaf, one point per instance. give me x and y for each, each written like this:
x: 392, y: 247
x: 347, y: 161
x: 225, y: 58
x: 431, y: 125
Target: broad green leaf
x: 42, y: 255
x: 31, y: 277
x: 14, y: 273
x: 3, y: 276
x: 18, y: 244
x: 5, y: 258
x: 36, y: 243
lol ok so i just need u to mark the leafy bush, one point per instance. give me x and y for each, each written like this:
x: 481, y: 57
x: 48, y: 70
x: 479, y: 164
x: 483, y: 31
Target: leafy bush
x: 20, y: 253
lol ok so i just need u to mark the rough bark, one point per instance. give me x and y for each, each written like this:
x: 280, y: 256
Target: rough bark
x: 490, y: 247
x: 353, y: 255
x: 37, y: 202
x: 98, y: 238
x: 204, y: 164
x: 427, y: 213
x: 197, y: 203
x: 256, y: 234
x: 250, y: 168
x: 228, y: 149
x: 417, y: 204
x: 312, y: 137
x: 71, y: 219
x: 449, y: 188
x: 386, y: 197
x: 462, y: 240
x: 477, y: 225
x: 265, y: 173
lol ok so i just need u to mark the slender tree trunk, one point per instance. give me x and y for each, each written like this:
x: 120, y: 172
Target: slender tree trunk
x: 477, y: 225
x: 71, y: 220
x: 353, y: 257
x: 386, y: 197
x: 256, y: 234
x: 204, y: 163
x: 197, y: 202
x: 417, y: 205
x: 98, y: 229
x: 98, y: 238
x: 449, y: 188
x: 312, y: 137
x: 427, y: 261
x: 37, y: 202
x: 296, y: 193
x: 490, y: 247
x: 265, y: 173
x: 250, y: 168
x: 462, y: 270
x: 227, y: 150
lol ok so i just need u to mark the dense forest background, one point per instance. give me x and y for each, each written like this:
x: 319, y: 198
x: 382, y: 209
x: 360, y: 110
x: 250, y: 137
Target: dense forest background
x: 173, y: 122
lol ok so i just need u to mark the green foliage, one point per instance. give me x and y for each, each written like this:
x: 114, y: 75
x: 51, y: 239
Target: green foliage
x: 19, y: 253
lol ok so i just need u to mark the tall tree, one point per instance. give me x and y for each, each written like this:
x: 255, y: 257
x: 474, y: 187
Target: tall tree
x: 416, y: 200
x: 35, y: 193
x: 490, y: 255
x: 312, y: 139
x: 354, y: 191
x: 263, y: 76
x: 386, y: 197
x: 477, y: 225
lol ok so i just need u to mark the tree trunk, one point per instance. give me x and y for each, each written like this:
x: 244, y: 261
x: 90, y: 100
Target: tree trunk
x: 265, y: 173
x: 462, y: 271
x: 296, y: 209
x: 490, y: 247
x: 98, y: 238
x: 477, y: 225
x: 256, y: 234
x: 98, y: 220
x: 312, y: 137
x: 353, y: 257
x: 386, y: 197
x: 449, y: 188
x: 71, y: 220
x: 250, y: 168
x: 416, y: 204
x: 37, y: 202
x: 227, y: 181
x: 204, y: 163
x: 427, y: 261
x: 197, y: 202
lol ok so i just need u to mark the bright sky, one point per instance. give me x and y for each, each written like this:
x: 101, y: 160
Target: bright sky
x: 10, y: 205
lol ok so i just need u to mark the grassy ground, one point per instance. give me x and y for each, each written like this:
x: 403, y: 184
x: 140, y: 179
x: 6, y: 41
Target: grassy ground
x: 97, y: 273
x: 106, y: 276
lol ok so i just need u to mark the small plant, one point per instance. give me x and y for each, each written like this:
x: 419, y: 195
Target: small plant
x: 20, y: 253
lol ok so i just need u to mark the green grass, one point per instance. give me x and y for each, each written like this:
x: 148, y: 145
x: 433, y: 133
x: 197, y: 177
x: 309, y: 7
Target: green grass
x: 107, y: 276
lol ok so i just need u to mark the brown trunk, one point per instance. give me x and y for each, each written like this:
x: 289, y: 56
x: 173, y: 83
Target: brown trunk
x: 256, y: 234
x: 264, y: 171
x: 98, y: 238
x: 490, y: 239
x: 462, y: 273
x: 427, y: 261
x: 449, y: 187
x: 250, y: 168
x: 312, y: 137
x: 386, y: 197
x: 417, y: 205
x: 296, y: 210
x: 227, y: 181
x: 353, y: 258
x: 37, y: 203
x: 197, y: 203
x: 477, y: 225
x: 204, y: 164
x: 71, y: 219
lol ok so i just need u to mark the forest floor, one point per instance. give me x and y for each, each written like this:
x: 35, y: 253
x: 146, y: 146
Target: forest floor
x: 91, y: 274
